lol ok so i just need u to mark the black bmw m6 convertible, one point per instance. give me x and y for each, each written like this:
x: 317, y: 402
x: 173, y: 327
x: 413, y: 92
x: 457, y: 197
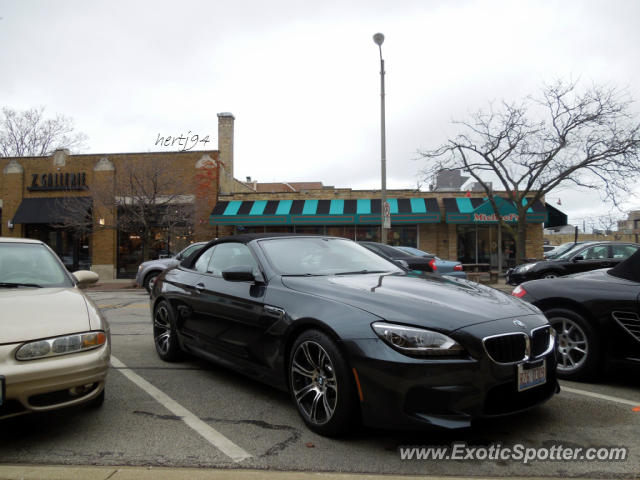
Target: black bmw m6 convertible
x: 353, y: 336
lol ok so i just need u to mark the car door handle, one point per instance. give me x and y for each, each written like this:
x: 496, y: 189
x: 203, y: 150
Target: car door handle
x: 199, y: 287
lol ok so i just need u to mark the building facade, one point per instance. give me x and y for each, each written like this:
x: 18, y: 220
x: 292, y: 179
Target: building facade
x: 78, y: 204
x: 452, y: 225
x: 110, y: 212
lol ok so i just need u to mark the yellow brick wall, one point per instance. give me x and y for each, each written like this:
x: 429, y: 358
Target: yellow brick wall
x: 14, y: 187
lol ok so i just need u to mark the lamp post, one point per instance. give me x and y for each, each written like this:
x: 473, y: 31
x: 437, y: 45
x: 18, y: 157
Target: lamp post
x: 378, y: 38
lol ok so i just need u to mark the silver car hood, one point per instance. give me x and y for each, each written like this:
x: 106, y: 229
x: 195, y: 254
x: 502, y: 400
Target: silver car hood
x: 33, y: 313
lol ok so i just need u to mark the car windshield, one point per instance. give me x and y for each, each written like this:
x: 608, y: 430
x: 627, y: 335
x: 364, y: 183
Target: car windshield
x: 30, y: 265
x: 413, y: 251
x: 565, y: 247
x: 323, y: 256
x: 570, y: 252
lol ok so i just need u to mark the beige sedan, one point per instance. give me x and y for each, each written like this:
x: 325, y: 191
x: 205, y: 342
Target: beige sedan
x: 54, y: 342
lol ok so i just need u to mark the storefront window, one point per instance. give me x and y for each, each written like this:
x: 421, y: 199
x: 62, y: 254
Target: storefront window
x: 405, y: 235
x: 479, y: 244
x: 310, y: 229
x: 368, y: 233
x: 71, y: 246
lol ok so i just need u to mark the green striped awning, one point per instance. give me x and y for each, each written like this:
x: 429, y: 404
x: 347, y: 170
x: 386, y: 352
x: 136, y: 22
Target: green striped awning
x: 323, y: 212
x: 478, y: 210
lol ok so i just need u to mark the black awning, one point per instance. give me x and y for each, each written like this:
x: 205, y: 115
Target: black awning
x: 52, y: 210
x: 556, y: 217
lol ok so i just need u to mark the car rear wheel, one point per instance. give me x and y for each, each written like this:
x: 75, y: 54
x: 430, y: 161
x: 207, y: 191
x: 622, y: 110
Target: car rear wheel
x: 578, y: 345
x: 321, y: 384
x: 150, y: 280
x: 165, y: 336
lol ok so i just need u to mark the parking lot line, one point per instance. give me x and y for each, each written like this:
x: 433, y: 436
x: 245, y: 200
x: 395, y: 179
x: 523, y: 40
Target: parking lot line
x: 210, y: 434
x: 600, y: 396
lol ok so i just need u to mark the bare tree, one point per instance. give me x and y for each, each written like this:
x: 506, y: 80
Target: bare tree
x: 566, y: 136
x: 29, y: 133
x: 146, y: 194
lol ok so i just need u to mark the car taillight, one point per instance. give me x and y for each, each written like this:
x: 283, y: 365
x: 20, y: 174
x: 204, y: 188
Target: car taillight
x: 458, y: 267
x: 519, y: 292
x: 432, y: 264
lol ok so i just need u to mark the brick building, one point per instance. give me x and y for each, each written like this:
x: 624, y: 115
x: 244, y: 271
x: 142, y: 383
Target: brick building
x: 39, y: 195
x: 451, y: 224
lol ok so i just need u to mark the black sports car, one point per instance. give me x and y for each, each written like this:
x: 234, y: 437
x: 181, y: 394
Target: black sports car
x: 596, y: 316
x: 351, y: 335
x: 425, y: 263
x: 583, y: 257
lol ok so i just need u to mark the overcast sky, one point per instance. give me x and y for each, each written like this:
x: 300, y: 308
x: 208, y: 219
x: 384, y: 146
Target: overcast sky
x: 302, y: 77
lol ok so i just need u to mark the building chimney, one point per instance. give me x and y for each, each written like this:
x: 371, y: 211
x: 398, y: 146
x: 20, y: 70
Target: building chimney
x: 225, y: 141
x: 248, y: 179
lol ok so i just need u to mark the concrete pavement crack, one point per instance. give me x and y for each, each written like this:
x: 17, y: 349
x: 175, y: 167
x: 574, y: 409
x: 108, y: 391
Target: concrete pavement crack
x: 294, y: 433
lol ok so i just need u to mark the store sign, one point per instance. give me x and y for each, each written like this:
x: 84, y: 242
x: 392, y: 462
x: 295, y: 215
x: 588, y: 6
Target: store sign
x: 483, y: 217
x: 58, y: 181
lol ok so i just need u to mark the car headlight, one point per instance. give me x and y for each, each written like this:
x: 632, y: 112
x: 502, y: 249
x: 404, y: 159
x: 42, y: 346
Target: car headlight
x: 416, y: 341
x: 52, y: 347
x: 526, y: 267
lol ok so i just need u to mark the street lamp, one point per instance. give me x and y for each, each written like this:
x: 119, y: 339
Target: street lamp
x: 385, y: 222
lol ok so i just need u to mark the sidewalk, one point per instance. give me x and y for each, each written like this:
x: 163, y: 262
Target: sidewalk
x: 59, y: 472
x: 109, y: 285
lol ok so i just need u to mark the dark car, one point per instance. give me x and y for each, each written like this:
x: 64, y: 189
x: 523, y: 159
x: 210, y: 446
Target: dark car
x: 443, y: 267
x: 596, y: 316
x: 351, y: 335
x: 582, y: 258
x: 413, y: 262
x: 149, y: 270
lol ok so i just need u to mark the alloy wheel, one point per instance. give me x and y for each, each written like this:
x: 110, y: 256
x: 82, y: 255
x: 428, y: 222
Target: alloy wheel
x: 573, y: 346
x: 162, y: 329
x: 313, y: 379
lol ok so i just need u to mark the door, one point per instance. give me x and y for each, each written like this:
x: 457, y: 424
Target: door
x: 230, y: 316
x: 590, y: 258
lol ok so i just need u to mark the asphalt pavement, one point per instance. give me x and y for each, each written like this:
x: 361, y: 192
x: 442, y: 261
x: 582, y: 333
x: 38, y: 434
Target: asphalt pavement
x: 166, y: 420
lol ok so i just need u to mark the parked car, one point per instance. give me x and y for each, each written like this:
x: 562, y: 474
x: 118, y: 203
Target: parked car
x: 584, y: 257
x: 353, y: 336
x: 444, y: 267
x: 54, y: 342
x: 404, y: 259
x: 558, y: 250
x: 149, y: 270
x: 595, y: 315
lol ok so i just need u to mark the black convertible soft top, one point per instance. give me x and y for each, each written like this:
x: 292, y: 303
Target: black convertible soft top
x: 629, y: 269
x: 241, y: 238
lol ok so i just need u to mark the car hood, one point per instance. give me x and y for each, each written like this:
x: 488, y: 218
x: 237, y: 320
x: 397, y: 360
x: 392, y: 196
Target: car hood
x: 161, y: 262
x: 32, y: 313
x: 429, y: 301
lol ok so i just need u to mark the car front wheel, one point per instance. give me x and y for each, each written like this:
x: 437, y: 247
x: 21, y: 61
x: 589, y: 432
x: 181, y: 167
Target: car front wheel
x: 578, y: 345
x: 150, y: 280
x: 321, y: 384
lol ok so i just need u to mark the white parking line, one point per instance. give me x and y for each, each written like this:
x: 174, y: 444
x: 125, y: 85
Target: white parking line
x: 600, y: 396
x: 210, y: 434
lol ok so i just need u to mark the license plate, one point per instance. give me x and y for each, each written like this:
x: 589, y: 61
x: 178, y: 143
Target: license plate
x: 531, y: 375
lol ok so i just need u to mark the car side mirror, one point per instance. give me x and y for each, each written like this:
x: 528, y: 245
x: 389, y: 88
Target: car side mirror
x: 577, y: 258
x: 85, y: 277
x: 239, y: 273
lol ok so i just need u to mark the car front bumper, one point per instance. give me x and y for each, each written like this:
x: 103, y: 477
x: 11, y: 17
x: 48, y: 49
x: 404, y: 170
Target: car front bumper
x: 515, y: 278
x: 44, y: 384
x: 401, y: 392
